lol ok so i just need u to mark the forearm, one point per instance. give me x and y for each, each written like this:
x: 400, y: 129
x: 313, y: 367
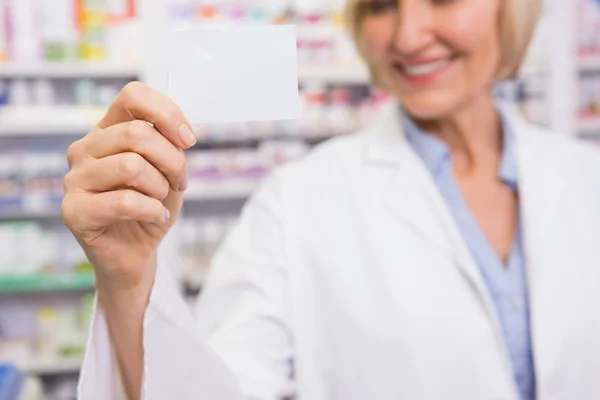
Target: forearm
x: 125, y: 310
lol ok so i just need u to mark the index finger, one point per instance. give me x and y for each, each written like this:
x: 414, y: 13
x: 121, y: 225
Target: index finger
x: 140, y: 102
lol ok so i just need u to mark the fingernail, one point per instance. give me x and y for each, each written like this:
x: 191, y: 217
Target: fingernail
x: 166, y: 215
x: 187, y: 136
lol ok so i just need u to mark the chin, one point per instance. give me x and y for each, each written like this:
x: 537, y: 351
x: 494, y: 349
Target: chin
x: 429, y: 106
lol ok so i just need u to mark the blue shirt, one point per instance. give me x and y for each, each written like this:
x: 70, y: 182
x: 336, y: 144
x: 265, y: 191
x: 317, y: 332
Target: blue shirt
x: 507, y: 285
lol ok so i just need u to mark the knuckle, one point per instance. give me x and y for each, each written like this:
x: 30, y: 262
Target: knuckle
x: 173, y: 114
x: 131, y: 166
x: 131, y: 90
x: 65, y: 211
x: 130, y: 94
x: 68, y: 211
x: 179, y: 164
x: 136, y: 134
x: 164, y: 189
x: 126, y: 202
x: 73, y: 152
x: 68, y: 181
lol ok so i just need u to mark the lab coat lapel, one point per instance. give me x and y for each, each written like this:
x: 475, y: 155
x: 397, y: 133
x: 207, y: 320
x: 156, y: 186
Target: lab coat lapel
x: 541, y: 195
x: 547, y: 234
x: 413, y: 196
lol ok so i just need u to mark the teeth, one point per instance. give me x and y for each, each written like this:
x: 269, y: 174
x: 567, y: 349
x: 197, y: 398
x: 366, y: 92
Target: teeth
x: 425, y: 69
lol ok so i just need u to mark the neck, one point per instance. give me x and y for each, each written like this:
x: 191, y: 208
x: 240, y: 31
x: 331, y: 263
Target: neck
x: 473, y: 134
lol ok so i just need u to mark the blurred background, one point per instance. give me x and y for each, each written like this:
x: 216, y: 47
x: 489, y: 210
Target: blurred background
x: 63, y: 61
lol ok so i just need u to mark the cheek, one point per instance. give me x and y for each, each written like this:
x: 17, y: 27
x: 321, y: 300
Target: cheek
x: 472, y: 32
x: 475, y: 34
x: 378, y: 36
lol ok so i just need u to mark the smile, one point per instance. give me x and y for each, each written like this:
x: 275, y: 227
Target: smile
x: 423, y: 73
x: 426, y: 69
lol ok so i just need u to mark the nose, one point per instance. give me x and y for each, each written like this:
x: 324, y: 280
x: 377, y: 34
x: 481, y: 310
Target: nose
x: 414, y: 31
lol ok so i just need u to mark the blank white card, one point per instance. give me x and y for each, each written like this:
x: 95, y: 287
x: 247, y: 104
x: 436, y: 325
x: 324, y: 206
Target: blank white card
x: 235, y: 74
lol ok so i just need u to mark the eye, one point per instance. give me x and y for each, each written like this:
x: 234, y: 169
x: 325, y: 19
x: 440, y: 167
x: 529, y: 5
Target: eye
x: 382, y: 6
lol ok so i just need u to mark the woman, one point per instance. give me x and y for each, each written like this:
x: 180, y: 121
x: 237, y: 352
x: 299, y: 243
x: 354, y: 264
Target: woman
x: 449, y: 251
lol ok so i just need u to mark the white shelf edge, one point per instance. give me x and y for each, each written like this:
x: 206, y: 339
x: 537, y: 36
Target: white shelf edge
x: 52, y: 366
x: 220, y: 192
x: 67, y: 70
x: 45, y: 130
x: 21, y: 215
x: 48, y: 120
x: 198, y: 193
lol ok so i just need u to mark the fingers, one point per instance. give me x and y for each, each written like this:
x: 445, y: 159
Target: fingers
x: 97, y: 211
x: 141, y: 138
x: 139, y: 102
x: 125, y: 170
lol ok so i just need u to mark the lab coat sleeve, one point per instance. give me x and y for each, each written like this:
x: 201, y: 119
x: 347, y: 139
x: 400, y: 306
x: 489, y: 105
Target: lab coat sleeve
x: 237, y: 343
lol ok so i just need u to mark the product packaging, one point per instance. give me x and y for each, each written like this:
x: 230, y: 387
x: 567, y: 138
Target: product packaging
x: 3, y: 93
x: 3, y: 32
x: 58, y: 29
x: 24, y: 44
x: 93, y: 21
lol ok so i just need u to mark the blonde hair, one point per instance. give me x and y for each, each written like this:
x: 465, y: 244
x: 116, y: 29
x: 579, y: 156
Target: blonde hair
x: 517, y: 25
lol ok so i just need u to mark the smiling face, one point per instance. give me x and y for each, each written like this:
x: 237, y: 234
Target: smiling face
x: 435, y: 56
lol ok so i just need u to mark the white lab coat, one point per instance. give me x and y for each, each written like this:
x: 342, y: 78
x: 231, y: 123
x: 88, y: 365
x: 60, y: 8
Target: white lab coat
x: 347, y: 279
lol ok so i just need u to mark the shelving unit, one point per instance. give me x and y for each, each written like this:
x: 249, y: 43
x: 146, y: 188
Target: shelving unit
x: 19, y: 214
x: 52, y: 366
x: 48, y: 121
x: 46, y: 283
x: 30, y: 301
x: 221, y: 192
x: 67, y: 70
x: 224, y: 191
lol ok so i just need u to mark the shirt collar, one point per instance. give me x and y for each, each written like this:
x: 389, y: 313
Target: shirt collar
x: 436, y: 154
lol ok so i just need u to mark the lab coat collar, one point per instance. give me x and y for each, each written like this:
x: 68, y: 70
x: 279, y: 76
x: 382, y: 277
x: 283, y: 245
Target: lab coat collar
x: 386, y: 143
x: 412, y: 192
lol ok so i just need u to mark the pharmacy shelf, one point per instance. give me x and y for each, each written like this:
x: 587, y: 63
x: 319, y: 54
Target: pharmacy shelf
x: 309, y: 31
x: 589, y: 125
x: 77, y: 121
x: 196, y: 193
x: 347, y: 75
x: 240, y: 190
x: 46, y: 283
x: 46, y: 366
x: 20, y: 214
x: 589, y: 62
x: 254, y: 142
x: 67, y: 70
x: 48, y: 121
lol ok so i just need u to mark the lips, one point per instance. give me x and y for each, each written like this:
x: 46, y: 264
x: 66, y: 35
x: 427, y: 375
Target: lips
x: 424, y: 71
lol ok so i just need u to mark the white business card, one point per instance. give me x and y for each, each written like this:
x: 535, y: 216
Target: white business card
x: 235, y: 74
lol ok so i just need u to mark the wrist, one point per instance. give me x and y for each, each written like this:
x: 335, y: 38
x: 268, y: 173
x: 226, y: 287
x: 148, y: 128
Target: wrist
x: 134, y: 298
x: 116, y: 292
